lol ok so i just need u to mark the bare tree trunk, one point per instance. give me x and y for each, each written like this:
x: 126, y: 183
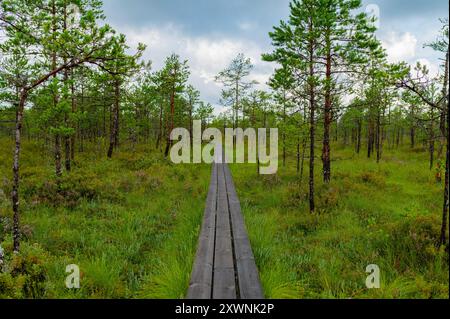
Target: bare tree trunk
x: 258, y: 168
x: 302, y: 164
x: 74, y: 109
x: 115, y: 126
x: 80, y: 127
x: 172, y: 115
x: 443, y: 237
x: 298, y: 155
x: 432, y: 137
x: 445, y: 103
x: 327, y: 122
x: 312, y: 105
x: 284, y: 132
x: 412, y: 131
x: 58, y: 166
x: 16, y: 167
x: 67, y: 148
x: 397, y: 142
x: 446, y: 109
x: 378, y: 136
x: 311, y: 158
x: 57, y: 149
x: 370, y: 138
x: 66, y: 120
x: 191, y: 124
x: 237, y: 105
x: 431, y: 152
x: 402, y: 135
x: 236, y: 122
x: 358, y: 145
x: 160, y: 130
x: 336, y: 136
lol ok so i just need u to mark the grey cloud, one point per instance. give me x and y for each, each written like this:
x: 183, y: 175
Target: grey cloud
x: 247, y: 22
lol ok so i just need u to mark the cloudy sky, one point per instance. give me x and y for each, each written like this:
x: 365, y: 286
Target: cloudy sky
x: 209, y: 33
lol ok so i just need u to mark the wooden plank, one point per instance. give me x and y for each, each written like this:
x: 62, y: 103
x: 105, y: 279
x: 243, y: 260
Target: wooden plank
x: 247, y: 272
x: 224, y: 267
x: 202, y: 273
x: 224, y: 279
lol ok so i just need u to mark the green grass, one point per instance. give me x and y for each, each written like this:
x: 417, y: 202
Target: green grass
x: 386, y: 214
x: 131, y: 224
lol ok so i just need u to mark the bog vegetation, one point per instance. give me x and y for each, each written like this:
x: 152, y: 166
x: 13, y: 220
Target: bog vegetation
x: 85, y: 176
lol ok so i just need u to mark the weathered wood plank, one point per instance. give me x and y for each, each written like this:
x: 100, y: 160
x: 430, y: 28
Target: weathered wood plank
x: 202, y: 273
x: 247, y: 272
x: 224, y: 266
x: 224, y: 280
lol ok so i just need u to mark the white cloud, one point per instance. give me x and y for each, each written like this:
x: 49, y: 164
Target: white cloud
x: 207, y: 55
x: 400, y: 47
x: 404, y: 47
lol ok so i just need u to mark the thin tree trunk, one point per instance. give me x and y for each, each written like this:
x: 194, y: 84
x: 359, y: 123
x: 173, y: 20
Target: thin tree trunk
x: 431, y: 153
x: 67, y: 147
x: 378, y: 137
x: 284, y: 129
x: 16, y: 173
x: 432, y: 137
x: 298, y: 155
x: 115, y: 126
x: 258, y: 169
x: 446, y: 109
x: 302, y: 165
x: 445, y: 105
x: 236, y: 119
x: 336, y: 136
x: 443, y: 237
x: 74, y: 109
x: 237, y: 104
x: 397, y: 142
x: 191, y: 124
x: 312, y: 105
x: 412, y: 132
x: 57, y: 149
x: 160, y: 129
x: 80, y: 127
x: 370, y: 138
x: 402, y: 135
x: 172, y: 115
x: 358, y: 146
x: 66, y: 120
x: 58, y: 166
x: 327, y: 122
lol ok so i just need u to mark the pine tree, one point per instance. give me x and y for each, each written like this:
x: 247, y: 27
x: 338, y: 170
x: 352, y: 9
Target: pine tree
x: 30, y: 36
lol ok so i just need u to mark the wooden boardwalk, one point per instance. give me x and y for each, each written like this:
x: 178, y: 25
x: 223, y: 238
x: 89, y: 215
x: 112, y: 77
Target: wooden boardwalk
x: 224, y: 267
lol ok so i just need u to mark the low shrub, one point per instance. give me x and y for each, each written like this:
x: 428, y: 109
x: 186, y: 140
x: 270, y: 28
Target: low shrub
x: 418, y: 235
x: 295, y: 195
x: 71, y: 190
x: 374, y: 179
x: 24, y: 275
x: 328, y: 197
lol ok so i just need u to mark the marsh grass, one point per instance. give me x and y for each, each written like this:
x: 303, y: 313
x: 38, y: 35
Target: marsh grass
x: 131, y: 224
x: 386, y: 214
